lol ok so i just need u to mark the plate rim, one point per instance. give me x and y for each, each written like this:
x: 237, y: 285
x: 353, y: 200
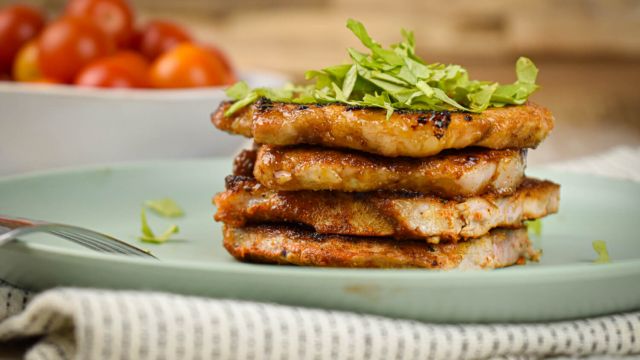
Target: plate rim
x: 81, y: 93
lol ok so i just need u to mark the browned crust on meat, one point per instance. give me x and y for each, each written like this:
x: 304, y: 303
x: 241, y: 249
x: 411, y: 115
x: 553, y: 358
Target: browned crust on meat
x: 239, y: 123
x: 447, y: 174
x: 385, y: 214
x: 414, y: 134
x: 277, y: 244
x: 244, y: 162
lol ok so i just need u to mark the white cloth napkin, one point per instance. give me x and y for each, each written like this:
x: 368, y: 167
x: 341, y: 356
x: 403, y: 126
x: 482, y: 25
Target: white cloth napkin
x: 104, y: 324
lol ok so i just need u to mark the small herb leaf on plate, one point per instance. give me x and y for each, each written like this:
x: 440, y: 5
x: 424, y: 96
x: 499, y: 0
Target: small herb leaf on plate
x: 165, y: 207
x: 600, y: 247
x: 535, y: 227
x: 149, y: 236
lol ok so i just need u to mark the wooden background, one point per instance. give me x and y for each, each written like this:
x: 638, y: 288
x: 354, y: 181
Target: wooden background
x: 588, y: 51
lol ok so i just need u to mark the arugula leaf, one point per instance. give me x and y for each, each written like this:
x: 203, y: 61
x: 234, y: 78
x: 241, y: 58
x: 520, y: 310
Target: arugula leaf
x: 165, y: 207
x: 381, y: 101
x: 360, y: 32
x: 148, y: 234
x: 480, y: 100
x: 338, y: 72
x: 350, y: 81
x: 535, y: 226
x: 146, y: 230
x: 395, y: 78
x: 241, y: 103
x: 526, y: 71
x: 238, y: 91
x: 600, y: 248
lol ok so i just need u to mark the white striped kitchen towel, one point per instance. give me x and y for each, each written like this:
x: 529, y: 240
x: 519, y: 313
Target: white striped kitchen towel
x: 103, y: 324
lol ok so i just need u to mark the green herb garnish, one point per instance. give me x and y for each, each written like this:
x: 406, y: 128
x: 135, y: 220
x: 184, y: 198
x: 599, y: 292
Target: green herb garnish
x: 535, y: 226
x: 395, y: 78
x: 165, y: 207
x: 600, y: 248
x: 149, y: 236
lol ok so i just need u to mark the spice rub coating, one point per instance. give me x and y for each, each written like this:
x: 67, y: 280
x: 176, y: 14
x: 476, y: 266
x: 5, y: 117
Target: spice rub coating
x: 278, y: 244
x: 450, y: 174
x: 398, y: 215
x: 406, y: 133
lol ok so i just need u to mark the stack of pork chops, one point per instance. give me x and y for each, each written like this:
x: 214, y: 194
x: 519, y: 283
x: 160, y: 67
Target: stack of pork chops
x: 343, y: 186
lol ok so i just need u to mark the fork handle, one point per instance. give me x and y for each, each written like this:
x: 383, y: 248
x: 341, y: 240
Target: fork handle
x: 14, y: 223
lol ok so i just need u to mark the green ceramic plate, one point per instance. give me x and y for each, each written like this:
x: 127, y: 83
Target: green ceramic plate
x: 565, y: 284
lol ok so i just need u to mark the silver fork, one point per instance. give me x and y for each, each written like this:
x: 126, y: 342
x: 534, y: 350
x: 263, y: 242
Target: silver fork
x: 13, y: 227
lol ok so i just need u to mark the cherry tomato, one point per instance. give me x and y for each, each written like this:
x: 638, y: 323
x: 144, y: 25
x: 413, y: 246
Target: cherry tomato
x: 114, y: 17
x: 25, y: 65
x: 188, y: 65
x: 18, y: 24
x: 122, y: 70
x: 132, y: 60
x: 45, y: 81
x: 231, y: 77
x: 158, y: 37
x: 135, y: 40
x: 67, y: 45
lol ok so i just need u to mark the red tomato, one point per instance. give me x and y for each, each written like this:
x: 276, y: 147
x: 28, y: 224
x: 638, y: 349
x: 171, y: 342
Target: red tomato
x: 132, y: 60
x: 135, y: 40
x: 188, y: 65
x: 122, y: 70
x: 158, y: 37
x: 45, y: 81
x: 67, y: 45
x: 114, y: 17
x: 25, y: 65
x: 18, y: 24
x: 231, y: 77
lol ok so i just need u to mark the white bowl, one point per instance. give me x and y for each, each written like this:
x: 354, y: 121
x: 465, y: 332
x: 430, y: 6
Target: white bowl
x: 45, y: 126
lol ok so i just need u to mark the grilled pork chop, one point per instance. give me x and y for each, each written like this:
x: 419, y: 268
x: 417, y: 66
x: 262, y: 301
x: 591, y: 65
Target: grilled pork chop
x: 452, y: 173
x: 393, y: 214
x: 244, y: 162
x: 413, y: 134
x: 277, y: 244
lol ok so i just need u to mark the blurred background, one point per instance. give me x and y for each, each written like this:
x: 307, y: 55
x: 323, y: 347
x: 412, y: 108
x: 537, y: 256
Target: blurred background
x: 588, y: 51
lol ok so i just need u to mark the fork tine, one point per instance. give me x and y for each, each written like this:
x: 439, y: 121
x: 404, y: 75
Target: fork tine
x: 105, y: 246
x: 130, y: 249
x: 113, y: 244
x: 97, y: 246
x: 82, y: 236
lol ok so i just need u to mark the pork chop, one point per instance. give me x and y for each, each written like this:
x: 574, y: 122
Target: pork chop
x: 406, y: 133
x: 399, y: 215
x: 450, y: 174
x: 278, y: 244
